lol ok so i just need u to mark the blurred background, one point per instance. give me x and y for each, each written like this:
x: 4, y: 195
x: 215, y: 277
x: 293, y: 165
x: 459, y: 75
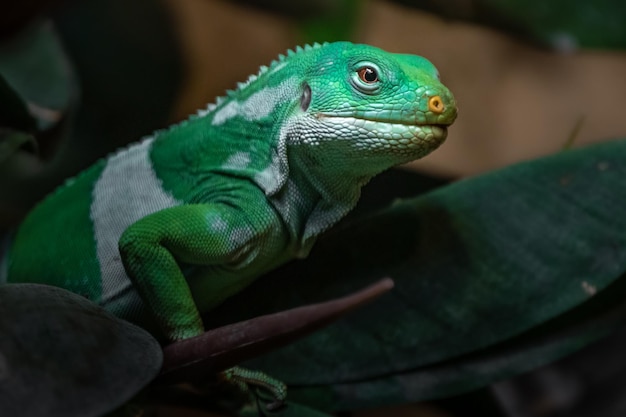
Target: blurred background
x: 520, y: 94
x: 531, y: 78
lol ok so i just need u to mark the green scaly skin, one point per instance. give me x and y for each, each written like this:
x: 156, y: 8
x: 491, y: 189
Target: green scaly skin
x: 168, y: 228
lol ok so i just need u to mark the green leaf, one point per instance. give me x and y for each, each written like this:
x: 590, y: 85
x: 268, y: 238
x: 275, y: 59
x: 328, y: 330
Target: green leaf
x: 64, y: 356
x: 480, y: 266
x: 549, y: 341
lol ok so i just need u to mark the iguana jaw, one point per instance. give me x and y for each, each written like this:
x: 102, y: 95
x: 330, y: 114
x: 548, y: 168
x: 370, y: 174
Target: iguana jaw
x: 376, y: 134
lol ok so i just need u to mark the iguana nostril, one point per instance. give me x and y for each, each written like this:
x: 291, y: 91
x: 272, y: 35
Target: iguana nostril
x: 435, y: 105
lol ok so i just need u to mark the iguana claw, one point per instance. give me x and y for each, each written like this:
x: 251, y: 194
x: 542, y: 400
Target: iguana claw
x: 243, y: 378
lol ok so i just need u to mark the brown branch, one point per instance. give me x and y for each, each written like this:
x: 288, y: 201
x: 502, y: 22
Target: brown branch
x: 222, y: 348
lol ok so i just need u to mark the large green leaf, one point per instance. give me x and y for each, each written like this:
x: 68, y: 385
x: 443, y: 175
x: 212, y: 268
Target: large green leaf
x: 62, y: 355
x: 482, y: 267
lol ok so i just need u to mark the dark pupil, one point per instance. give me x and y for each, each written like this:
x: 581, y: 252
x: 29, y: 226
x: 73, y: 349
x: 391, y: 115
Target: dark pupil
x: 369, y: 75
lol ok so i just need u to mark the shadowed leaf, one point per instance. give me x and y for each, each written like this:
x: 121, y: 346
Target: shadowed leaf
x: 61, y: 355
x: 477, y: 265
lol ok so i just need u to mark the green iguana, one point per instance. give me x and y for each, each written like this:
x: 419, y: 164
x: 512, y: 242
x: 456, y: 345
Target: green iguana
x: 168, y: 228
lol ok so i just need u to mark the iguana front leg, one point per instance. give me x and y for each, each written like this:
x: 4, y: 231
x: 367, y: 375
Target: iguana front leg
x: 227, y: 240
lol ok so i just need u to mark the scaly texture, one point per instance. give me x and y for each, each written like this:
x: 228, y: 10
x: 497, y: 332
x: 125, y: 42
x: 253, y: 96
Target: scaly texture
x: 173, y: 225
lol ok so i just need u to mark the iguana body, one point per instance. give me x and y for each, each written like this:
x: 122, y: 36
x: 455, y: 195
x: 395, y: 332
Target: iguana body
x: 168, y: 228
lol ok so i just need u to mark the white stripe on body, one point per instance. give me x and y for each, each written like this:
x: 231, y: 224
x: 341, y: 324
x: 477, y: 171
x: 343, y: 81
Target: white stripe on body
x: 127, y: 190
x: 259, y: 104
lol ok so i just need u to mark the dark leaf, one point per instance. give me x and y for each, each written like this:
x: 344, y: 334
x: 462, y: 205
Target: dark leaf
x: 476, y: 264
x: 548, y: 342
x: 61, y: 355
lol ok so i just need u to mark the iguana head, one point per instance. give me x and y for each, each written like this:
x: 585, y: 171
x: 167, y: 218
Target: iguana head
x: 341, y: 112
x: 362, y: 105
x: 317, y: 123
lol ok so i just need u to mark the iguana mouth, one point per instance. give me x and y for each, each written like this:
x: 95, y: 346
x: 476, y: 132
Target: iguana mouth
x: 392, y: 129
x: 383, y: 121
x: 399, y: 122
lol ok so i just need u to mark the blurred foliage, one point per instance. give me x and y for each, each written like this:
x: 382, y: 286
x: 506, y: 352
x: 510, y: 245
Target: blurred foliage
x: 338, y: 25
x: 564, y: 25
x: 319, y: 21
x: 128, y: 67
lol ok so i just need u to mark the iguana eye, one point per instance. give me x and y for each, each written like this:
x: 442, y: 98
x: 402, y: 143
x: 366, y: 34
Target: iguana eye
x: 368, y: 75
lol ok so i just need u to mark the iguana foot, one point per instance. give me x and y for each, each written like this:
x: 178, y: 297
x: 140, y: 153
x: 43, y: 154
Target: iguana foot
x: 246, y: 378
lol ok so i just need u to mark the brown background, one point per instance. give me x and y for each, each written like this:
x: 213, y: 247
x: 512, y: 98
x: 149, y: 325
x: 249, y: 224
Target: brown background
x: 516, y: 101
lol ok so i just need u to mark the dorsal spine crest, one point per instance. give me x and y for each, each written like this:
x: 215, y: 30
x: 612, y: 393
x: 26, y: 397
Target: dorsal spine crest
x: 263, y: 69
x: 230, y: 94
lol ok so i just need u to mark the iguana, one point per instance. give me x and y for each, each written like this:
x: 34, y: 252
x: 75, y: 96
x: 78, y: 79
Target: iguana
x: 169, y: 227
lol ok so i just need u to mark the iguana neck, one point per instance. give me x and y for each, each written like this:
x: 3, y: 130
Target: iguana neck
x: 313, y: 199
